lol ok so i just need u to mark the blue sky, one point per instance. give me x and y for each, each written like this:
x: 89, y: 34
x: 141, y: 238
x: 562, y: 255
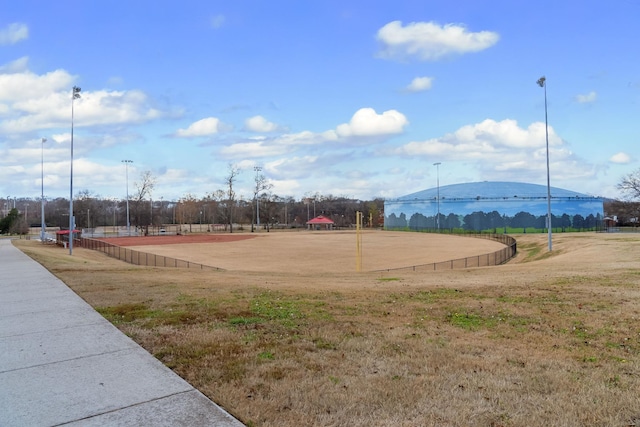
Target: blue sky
x: 348, y: 98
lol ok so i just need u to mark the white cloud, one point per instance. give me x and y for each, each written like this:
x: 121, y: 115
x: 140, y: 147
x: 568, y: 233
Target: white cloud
x: 32, y: 102
x: 276, y: 146
x: 13, y: 33
x: 260, y: 124
x: 429, y: 41
x: 204, y: 127
x: 253, y: 149
x: 20, y: 65
x: 586, y: 99
x: 488, y: 137
x: 52, y: 109
x: 366, y: 122
x: 503, y: 150
x: 420, y: 84
x: 26, y: 85
x: 620, y: 158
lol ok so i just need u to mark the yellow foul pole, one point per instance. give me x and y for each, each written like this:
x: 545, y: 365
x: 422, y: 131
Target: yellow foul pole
x: 358, y: 241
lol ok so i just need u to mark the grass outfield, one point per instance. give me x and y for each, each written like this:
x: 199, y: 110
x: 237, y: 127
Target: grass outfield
x: 547, y: 339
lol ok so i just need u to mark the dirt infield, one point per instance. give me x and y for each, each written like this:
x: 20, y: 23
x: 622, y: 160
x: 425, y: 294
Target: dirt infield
x: 311, y: 251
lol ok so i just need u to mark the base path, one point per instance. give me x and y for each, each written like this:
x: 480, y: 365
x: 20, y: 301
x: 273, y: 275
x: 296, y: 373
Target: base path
x: 63, y: 363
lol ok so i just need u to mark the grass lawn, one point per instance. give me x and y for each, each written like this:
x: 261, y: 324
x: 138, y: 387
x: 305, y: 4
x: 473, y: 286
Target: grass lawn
x: 547, y: 339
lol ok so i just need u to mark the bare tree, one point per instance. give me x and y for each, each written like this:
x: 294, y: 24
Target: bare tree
x: 86, y: 207
x: 217, y: 197
x: 188, y: 210
x: 630, y: 184
x: 262, y: 184
x: 144, y: 188
x: 232, y: 174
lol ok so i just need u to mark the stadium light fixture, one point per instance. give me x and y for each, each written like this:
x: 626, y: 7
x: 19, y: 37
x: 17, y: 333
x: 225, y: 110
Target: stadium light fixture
x: 75, y: 94
x: 542, y: 82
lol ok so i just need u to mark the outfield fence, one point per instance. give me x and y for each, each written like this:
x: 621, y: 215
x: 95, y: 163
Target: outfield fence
x: 485, y: 260
x: 138, y: 257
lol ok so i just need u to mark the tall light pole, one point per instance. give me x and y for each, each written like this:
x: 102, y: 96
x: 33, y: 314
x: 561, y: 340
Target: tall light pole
x: 126, y: 169
x: 542, y: 82
x: 437, y: 165
x: 42, y: 223
x: 75, y: 94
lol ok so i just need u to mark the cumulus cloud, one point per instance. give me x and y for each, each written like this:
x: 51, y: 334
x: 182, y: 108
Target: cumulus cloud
x: 204, y: 127
x: 488, y: 137
x: 429, y: 41
x: 420, y: 84
x: 502, y: 150
x: 366, y: 122
x: 13, y: 33
x: 587, y: 99
x: 39, y: 101
x: 620, y: 158
x: 260, y: 124
x: 51, y: 109
x: 25, y: 85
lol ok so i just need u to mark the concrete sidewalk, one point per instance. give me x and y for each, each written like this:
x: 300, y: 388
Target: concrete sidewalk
x: 61, y: 363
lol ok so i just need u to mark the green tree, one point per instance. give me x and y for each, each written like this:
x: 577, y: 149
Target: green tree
x: 9, y: 223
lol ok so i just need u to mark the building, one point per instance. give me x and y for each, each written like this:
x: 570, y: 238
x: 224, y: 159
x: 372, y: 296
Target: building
x: 493, y: 207
x: 319, y: 222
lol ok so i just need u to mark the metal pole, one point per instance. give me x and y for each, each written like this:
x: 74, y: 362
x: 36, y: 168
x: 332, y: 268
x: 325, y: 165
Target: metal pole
x: 437, y: 165
x: 543, y: 83
x: 42, y: 222
x: 75, y: 93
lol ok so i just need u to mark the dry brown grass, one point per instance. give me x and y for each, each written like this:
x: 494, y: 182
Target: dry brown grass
x: 544, y: 340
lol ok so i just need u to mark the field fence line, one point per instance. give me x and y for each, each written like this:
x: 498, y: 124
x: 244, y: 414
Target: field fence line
x: 138, y: 257
x: 135, y: 257
x: 485, y: 260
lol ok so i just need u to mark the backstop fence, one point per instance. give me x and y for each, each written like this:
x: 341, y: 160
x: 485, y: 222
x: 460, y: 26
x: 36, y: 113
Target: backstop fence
x: 486, y: 260
x: 138, y: 257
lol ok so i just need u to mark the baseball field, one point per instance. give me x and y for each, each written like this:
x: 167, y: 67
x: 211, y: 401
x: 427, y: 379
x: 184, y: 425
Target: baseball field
x: 310, y: 251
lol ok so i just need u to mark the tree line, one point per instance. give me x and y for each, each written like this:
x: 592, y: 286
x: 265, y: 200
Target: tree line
x: 222, y: 206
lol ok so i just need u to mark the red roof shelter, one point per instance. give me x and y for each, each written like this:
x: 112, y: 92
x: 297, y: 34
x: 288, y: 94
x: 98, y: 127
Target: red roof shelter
x: 319, y: 221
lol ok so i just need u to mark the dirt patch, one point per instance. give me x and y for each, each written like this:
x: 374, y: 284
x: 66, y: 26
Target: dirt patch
x: 318, y: 252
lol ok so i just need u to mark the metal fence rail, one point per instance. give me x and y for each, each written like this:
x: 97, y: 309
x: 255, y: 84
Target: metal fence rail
x: 138, y: 257
x: 485, y: 260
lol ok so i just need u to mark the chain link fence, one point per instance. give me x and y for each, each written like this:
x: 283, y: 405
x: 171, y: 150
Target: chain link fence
x: 485, y: 260
x: 138, y: 257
